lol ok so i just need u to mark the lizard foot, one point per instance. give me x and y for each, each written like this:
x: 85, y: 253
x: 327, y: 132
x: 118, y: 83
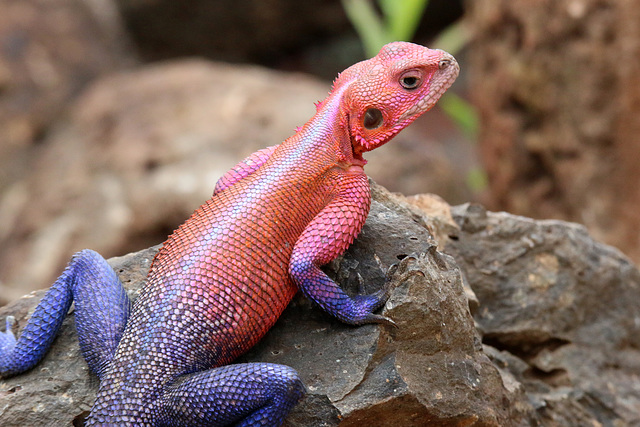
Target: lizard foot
x: 396, y: 275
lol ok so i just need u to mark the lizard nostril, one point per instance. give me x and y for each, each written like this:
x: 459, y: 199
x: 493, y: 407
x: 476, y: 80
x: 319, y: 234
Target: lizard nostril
x: 444, y: 63
x: 373, y: 118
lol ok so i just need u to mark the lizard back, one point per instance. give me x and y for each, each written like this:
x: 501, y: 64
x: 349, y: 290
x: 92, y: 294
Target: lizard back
x: 228, y: 285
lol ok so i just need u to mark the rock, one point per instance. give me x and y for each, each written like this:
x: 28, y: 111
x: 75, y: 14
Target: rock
x: 560, y: 311
x: 432, y: 368
x: 554, y: 340
x: 141, y: 149
x: 50, y: 52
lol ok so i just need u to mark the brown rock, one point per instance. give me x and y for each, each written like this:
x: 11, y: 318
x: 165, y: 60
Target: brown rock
x: 432, y: 369
x: 141, y: 150
x: 231, y: 30
x: 559, y: 111
x: 50, y: 50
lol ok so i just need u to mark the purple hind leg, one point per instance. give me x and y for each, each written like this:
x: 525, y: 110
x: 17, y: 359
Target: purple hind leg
x: 101, y: 308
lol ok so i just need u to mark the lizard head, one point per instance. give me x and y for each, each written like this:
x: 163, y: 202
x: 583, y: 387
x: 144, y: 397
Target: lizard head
x: 384, y: 94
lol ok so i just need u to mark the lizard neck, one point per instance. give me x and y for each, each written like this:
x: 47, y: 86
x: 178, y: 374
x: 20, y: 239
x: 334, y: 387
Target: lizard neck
x: 328, y: 132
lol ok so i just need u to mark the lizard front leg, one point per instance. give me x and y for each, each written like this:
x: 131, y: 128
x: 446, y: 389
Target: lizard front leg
x: 101, y: 307
x: 328, y: 235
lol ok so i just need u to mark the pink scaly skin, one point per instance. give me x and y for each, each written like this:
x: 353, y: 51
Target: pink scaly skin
x: 223, y: 278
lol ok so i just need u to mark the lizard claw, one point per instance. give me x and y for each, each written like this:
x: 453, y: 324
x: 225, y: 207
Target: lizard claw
x: 10, y: 323
x: 374, y: 318
x: 361, y: 288
x: 382, y: 320
x: 403, y: 265
x: 396, y: 274
x: 392, y: 279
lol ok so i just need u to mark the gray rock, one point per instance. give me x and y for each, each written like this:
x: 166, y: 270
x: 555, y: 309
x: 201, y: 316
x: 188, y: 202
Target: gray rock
x: 561, y: 311
x: 547, y: 363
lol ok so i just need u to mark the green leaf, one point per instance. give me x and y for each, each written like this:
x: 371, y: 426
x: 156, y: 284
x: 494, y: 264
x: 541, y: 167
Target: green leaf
x: 461, y: 112
x: 453, y: 38
x: 368, y: 25
x: 402, y: 17
x: 399, y: 21
x: 477, y: 180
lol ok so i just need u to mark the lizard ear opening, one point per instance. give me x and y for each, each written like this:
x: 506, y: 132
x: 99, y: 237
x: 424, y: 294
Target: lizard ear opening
x: 373, y: 119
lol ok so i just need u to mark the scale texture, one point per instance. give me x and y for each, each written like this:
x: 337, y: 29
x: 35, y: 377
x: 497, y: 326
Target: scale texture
x: 223, y: 278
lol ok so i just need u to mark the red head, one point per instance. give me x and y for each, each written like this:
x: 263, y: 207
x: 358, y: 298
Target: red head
x: 384, y: 94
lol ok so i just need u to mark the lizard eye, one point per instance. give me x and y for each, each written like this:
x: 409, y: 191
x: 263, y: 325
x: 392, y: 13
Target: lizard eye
x: 373, y: 118
x: 411, y: 80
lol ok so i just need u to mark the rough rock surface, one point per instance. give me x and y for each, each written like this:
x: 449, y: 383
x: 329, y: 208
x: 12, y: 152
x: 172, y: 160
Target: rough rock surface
x: 554, y: 308
x: 141, y: 149
x: 561, y: 312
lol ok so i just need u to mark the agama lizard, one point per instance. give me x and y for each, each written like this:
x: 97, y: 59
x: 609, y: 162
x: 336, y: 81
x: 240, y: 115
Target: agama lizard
x: 223, y: 278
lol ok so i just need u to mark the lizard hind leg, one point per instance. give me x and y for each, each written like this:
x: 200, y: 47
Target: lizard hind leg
x: 244, y: 394
x: 101, y: 307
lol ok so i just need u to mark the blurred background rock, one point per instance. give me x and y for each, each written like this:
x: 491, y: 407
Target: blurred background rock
x: 118, y: 116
